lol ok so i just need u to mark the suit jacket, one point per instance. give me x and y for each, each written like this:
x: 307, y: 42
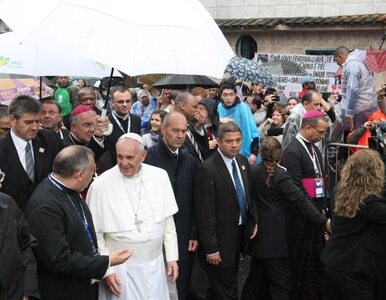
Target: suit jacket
x: 135, y: 126
x: 181, y: 172
x: 17, y: 184
x: 109, y: 158
x: 17, y: 262
x: 65, y: 257
x: 358, y: 244
x: 93, y: 145
x: 217, y: 208
x: 274, y: 204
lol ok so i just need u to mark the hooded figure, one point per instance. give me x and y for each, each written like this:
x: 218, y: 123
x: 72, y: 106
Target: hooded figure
x: 359, y: 99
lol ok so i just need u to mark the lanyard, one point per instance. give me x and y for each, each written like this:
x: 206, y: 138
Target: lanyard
x: 119, y: 123
x: 313, y: 156
x: 82, y: 216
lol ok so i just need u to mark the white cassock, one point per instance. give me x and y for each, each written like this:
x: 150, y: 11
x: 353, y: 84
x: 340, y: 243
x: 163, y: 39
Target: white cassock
x: 116, y: 203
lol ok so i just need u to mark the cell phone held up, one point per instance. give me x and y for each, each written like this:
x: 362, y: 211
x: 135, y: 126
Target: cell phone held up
x: 275, y: 98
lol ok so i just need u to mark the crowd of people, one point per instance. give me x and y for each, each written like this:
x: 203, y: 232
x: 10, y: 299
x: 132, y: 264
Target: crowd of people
x: 117, y: 199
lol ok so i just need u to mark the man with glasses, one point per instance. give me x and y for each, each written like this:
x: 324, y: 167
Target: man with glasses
x: 303, y: 161
x: 87, y: 130
x: 232, y: 109
x: 311, y: 100
x: 52, y: 118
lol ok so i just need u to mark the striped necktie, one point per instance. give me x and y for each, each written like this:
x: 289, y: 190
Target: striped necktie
x: 29, y: 162
x: 195, y: 145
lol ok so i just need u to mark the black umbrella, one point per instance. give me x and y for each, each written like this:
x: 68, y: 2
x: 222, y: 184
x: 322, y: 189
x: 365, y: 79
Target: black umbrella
x: 185, y: 82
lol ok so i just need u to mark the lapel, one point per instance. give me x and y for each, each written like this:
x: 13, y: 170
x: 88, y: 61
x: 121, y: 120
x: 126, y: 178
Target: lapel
x: 13, y: 163
x: 224, y: 173
x: 244, y: 174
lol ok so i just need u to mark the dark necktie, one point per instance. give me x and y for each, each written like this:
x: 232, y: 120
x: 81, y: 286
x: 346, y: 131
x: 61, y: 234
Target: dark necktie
x: 240, y: 193
x: 29, y: 162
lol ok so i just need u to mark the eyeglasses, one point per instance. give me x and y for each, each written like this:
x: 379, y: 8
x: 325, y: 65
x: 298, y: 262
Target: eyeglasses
x: 226, y: 95
x: 2, y: 176
x: 321, y: 132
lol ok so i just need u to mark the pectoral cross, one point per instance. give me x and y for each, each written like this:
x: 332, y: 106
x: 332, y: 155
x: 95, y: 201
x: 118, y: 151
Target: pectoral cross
x: 138, y: 223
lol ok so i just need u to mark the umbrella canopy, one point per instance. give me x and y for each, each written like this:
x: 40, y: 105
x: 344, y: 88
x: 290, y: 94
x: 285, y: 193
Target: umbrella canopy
x: 136, y: 37
x: 246, y: 70
x: 33, y: 60
x: 183, y: 82
x: 11, y: 88
x: 284, y: 67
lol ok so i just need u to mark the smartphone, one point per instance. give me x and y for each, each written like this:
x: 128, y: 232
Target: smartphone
x: 276, y: 98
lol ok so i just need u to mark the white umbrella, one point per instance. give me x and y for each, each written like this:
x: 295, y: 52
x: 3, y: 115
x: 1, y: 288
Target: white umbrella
x: 136, y: 37
x: 33, y: 60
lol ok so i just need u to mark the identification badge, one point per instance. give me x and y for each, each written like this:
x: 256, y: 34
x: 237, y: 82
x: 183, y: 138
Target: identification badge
x: 319, y: 188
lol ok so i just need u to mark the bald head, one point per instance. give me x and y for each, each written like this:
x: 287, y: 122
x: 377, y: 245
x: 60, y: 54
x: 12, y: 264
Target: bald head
x: 174, y: 128
x: 71, y: 160
x: 340, y: 55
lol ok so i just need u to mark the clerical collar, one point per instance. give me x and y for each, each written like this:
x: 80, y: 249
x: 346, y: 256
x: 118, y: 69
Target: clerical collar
x: 120, y: 117
x: 304, y: 139
x: 74, y: 140
x: 62, y: 185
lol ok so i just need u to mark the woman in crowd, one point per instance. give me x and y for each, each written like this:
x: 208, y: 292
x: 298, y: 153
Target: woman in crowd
x: 275, y: 195
x: 151, y: 139
x: 355, y: 255
x: 291, y: 103
x: 274, y: 126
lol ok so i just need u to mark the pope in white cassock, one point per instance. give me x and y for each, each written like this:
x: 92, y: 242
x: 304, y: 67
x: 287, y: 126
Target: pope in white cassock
x: 132, y: 205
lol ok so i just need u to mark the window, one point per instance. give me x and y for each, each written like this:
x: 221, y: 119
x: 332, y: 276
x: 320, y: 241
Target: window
x: 246, y: 47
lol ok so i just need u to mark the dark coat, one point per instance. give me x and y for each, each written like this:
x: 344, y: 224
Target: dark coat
x: 17, y: 264
x: 93, y: 145
x: 65, y: 258
x: 17, y: 184
x: 217, y: 208
x: 358, y: 244
x: 306, y: 239
x: 274, y: 205
x: 109, y: 158
x: 181, y: 172
x: 135, y: 126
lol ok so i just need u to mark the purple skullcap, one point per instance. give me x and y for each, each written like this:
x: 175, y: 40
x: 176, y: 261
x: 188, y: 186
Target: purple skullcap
x: 312, y: 114
x: 80, y: 109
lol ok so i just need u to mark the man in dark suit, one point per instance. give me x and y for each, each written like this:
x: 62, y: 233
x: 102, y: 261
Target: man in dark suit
x: 180, y: 166
x: 67, y: 251
x: 303, y: 161
x: 226, y: 216
x: 197, y: 142
x: 26, y: 153
x: 17, y: 262
x: 123, y: 122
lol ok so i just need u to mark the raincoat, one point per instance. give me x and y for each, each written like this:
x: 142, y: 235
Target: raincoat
x: 358, y: 86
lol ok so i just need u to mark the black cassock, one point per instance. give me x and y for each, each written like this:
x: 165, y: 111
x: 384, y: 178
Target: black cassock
x: 65, y: 254
x: 305, y: 238
x: 17, y: 263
